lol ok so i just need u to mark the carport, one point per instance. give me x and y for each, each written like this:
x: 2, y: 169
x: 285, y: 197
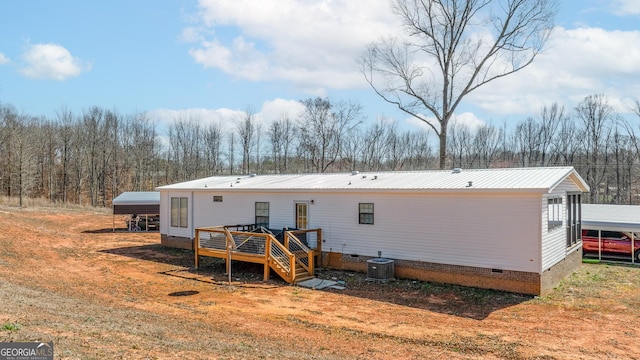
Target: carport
x: 136, y: 203
x: 603, y: 217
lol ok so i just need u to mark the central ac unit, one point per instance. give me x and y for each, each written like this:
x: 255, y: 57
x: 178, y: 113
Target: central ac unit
x: 380, y: 269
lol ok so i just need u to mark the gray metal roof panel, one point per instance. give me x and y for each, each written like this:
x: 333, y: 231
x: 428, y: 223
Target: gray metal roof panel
x: 611, y: 217
x: 137, y: 198
x: 503, y: 179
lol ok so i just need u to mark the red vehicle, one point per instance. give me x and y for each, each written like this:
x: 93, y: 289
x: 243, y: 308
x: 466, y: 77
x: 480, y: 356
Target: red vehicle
x: 613, y: 243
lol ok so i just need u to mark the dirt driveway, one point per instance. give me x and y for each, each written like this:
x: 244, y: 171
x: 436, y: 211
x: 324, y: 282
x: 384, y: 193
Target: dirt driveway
x: 66, y: 277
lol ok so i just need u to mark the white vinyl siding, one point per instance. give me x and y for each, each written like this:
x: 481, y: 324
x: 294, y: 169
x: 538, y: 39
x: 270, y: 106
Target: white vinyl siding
x: 175, y: 220
x: 554, y: 241
x: 490, y: 230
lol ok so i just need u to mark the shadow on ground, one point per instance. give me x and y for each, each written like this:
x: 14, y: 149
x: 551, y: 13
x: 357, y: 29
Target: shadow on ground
x: 118, y: 230
x: 453, y: 300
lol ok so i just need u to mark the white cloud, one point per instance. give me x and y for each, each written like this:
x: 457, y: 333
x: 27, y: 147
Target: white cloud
x: 272, y: 110
x: 51, y: 61
x: 223, y: 116
x: 312, y: 44
x: 464, y: 118
x: 277, y: 109
x: 576, y: 63
x: 625, y: 7
x: 3, y: 59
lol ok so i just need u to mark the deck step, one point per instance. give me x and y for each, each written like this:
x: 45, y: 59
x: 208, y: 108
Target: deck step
x: 303, y: 278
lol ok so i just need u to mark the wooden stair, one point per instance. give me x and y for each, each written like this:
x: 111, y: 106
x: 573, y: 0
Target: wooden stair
x: 301, y: 274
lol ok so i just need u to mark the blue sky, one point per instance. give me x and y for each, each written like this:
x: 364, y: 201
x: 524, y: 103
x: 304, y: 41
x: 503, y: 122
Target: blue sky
x: 208, y: 60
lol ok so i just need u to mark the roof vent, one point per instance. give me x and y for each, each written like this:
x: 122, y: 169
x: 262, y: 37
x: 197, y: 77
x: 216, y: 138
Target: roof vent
x: 456, y: 171
x: 470, y: 184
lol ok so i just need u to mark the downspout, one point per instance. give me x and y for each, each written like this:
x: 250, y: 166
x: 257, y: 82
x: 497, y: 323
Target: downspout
x: 192, y: 227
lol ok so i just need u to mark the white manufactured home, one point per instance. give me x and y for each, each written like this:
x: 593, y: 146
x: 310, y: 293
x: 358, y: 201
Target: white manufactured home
x: 509, y: 229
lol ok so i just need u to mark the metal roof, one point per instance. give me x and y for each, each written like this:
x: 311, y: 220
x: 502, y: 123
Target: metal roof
x: 137, y: 198
x: 475, y: 180
x: 611, y: 217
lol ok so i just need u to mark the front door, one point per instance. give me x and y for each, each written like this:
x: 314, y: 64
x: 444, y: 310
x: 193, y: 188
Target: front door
x: 302, y: 220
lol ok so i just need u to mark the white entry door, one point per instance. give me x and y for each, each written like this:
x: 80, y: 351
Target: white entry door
x: 302, y: 216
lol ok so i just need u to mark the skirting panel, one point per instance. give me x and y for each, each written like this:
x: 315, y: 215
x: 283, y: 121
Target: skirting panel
x: 176, y: 242
x: 497, y: 279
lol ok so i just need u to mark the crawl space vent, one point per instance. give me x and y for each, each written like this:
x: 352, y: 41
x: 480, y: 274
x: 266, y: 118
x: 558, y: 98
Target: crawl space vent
x: 380, y: 269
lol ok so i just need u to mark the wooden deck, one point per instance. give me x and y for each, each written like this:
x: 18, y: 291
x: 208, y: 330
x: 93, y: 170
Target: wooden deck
x: 291, y: 257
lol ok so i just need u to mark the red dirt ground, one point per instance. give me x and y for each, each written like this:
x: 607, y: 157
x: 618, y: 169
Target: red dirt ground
x: 66, y: 277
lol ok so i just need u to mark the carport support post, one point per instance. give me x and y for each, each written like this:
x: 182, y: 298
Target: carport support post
x: 600, y: 245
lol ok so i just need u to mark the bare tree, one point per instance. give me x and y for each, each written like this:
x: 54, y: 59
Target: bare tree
x: 281, y: 135
x: 352, y: 150
x: 567, y: 142
x: 460, y: 143
x: 526, y: 140
x: 420, y: 154
x: 597, y: 117
x: 486, y: 144
x: 550, y: 119
x: 65, y: 123
x: 619, y: 180
x: 323, y: 127
x: 396, y: 147
x: 453, y: 48
x: 374, y: 145
x: 258, y: 147
x: 231, y: 153
x: 11, y: 123
x: 212, y: 144
x: 246, y: 133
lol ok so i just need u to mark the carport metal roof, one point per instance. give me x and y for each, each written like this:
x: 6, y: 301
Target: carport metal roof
x: 137, y: 202
x: 611, y: 217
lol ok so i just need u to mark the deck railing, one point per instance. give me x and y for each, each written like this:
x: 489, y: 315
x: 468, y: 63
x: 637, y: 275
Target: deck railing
x: 303, y: 255
x: 309, y: 250
x: 260, y: 247
x: 281, y: 256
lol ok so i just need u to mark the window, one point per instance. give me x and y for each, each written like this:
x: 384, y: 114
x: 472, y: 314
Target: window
x: 217, y: 198
x: 179, y: 211
x: 574, y: 219
x: 262, y: 214
x: 554, y: 213
x: 365, y: 213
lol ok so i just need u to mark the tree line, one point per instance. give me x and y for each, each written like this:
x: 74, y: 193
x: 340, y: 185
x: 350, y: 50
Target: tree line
x: 90, y: 157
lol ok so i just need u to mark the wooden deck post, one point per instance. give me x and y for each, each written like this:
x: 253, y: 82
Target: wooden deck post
x: 311, y: 255
x: 267, y: 253
x: 196, y: 243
